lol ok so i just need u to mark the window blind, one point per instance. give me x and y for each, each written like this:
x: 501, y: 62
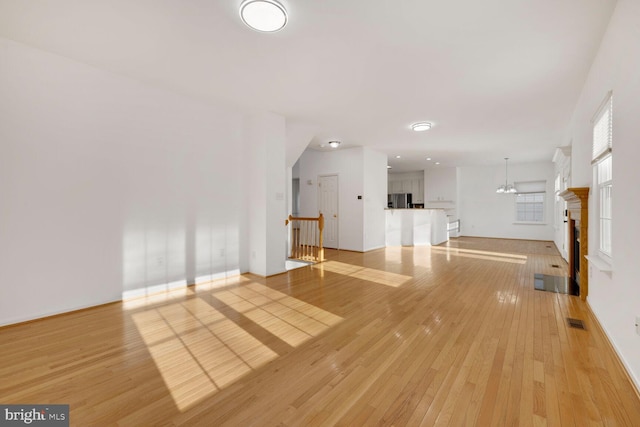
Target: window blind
x: 603, y: 130
x: 531, y: 186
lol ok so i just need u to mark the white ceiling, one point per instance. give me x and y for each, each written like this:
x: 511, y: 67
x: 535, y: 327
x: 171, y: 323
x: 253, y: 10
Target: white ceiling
x: 497, y: 78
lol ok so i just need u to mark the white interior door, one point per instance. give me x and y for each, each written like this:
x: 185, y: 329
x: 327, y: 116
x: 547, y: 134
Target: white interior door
x: 328, y: 207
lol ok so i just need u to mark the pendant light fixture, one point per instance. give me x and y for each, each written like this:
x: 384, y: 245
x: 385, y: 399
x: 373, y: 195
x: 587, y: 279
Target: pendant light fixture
x: 506, y: 188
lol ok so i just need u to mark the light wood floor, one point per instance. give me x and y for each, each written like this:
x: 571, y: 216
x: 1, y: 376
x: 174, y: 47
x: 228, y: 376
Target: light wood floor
x: 448, y: 335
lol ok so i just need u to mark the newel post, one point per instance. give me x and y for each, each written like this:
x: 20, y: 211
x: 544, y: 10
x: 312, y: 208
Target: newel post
x: 321, y: 242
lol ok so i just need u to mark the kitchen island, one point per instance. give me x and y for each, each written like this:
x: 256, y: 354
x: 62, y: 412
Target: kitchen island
x: 416, y: 227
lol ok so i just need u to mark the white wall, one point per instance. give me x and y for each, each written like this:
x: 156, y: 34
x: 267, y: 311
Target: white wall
x: 484, y: 213
x: 615, y: 297
x: 375, y: 199
x: 295, y: 170
x: 298, y: 137
x: 264, y: 165
x: 110, y: 186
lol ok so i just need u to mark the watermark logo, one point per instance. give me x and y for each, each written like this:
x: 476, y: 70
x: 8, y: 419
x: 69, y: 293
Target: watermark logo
x: 34, y: 415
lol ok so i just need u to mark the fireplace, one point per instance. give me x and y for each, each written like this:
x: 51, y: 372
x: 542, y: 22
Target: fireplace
x: 575, y: 273
x: 578, y: 206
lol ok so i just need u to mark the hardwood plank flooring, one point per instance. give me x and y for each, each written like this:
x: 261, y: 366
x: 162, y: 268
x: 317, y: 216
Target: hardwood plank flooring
x: 447, y: 335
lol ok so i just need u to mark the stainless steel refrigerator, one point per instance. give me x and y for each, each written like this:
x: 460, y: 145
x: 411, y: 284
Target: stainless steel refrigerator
x: 399, y: 200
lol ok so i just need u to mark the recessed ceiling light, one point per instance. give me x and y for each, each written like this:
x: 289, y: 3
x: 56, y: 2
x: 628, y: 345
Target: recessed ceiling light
x: 437, y: 163
x: 263, y: 15
x: 388, y: 167
x: 429, y: 158
x: 397, y: 157
x: 334, y: 144
x: 421, y: 126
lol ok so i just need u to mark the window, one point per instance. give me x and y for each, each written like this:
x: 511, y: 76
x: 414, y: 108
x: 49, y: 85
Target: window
x: 530, y: 201
x: 604, y: 192
x: 603, y: 171
x: 530, y: 207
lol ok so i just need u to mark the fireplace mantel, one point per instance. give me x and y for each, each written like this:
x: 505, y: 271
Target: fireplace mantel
x: 577, y: 199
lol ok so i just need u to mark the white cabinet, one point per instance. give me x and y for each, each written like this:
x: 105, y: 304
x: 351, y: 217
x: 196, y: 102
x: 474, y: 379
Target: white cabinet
x: 415, y: 186
x: 441, y: 185
x: 417, y: 190
x: 408, y: 183
x: 395, y: 187
x: 399, y: 186
x: 441, y: 188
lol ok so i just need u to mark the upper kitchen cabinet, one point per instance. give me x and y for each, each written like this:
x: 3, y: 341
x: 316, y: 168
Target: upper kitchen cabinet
x: 441, y: 185
x: 441, y: 189
x: 409, y: 182
x: 417, y: 190
x: 395, y: 187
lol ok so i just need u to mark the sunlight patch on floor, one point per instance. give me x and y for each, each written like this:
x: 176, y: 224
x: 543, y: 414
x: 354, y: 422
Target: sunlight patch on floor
x: 475, y: 251
x: 161, y: 297
x: 483, y: 255
x: 217, y: 284
x: 506, y: 297
x: 419, y: 255
x: 372, y: 275
x: 288, y: 318
x: 197, y: 349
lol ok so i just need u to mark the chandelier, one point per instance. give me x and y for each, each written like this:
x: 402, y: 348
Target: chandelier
x: 506, y: 188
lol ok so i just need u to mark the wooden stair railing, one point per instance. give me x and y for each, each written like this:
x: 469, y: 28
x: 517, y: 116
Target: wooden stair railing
x: 306, y: 238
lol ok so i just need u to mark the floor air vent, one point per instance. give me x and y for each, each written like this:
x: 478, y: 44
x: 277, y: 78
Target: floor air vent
x: 555, y: 266
x: 576, y: 323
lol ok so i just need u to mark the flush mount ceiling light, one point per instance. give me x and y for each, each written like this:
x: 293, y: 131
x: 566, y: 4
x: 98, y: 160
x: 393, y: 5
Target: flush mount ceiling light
x: 263, y: 15
x: 334, y: 144
x: 421, y: 126
x: 506, y: 188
